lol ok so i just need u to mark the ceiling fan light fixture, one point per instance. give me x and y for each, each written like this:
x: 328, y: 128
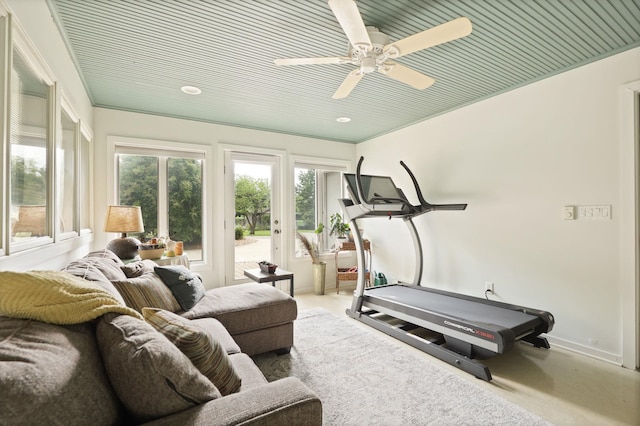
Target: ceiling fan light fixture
x: 343, y: 119
x: 191, y: 90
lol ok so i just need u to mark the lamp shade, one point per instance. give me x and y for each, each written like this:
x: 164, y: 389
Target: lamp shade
x: 123, y: 219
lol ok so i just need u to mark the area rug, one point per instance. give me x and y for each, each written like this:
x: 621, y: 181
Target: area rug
x: 362, y: 379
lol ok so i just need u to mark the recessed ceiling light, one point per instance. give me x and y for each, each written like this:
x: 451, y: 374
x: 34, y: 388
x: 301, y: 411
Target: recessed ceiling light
x: 191, y: 90
x: 343, y: 119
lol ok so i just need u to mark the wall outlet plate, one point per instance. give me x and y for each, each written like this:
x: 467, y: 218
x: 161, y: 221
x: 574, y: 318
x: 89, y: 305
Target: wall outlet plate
x: 569, y: 212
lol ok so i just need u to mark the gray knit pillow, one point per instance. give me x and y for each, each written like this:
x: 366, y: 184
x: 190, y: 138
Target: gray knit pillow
x: 185, y: 285
x: 150, y: 375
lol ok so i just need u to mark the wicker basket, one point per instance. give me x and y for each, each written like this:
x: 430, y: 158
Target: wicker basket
x: 345, y: 275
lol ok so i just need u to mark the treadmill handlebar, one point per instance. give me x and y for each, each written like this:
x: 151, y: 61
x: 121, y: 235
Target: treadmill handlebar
x: 423, y: 207
x: 424, y: 203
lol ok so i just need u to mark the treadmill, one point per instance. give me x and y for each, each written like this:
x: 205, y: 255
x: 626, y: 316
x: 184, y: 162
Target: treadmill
x: 453, y: 327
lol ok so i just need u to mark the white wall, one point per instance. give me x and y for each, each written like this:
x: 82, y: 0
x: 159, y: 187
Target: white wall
x: 517, y: 159
x: 134, y: 125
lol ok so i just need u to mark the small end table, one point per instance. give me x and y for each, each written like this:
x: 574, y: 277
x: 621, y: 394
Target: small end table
x: 280, y: 274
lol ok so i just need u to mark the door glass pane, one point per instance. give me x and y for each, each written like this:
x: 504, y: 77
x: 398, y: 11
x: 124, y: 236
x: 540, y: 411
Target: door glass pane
x: 85, y: 182
x: 252, y: 215
x: 306, y: 206
x: 138, y: 186
x: 29, y: 129
x: 184, y: 177
x: 65, y: 168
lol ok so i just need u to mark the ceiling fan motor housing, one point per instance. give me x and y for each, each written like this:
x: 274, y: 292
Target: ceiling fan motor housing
x: 378, y: 40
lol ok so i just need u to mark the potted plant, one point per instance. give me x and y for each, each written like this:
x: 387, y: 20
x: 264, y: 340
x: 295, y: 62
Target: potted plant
x: 339, y: 229
x: 319, y: 267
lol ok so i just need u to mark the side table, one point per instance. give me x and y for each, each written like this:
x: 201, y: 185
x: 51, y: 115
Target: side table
x: 175, y: 260
x: 280, y: 274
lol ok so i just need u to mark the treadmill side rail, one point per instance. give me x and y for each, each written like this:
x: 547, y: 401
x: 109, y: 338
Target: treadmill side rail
x: 457, y: 360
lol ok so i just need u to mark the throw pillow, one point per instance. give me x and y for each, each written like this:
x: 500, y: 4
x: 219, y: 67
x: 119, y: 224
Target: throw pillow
x: 199, y: 346
x: 86, y: 269
x: 147, y: 291
x: 108, y: 263
x: 184, y: 284
x: 134, y: 269
x: 150, y: 375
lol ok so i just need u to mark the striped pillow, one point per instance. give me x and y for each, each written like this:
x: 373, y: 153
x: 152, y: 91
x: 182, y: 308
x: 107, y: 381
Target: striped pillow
x: 198, y: 345
x: 147, y: 291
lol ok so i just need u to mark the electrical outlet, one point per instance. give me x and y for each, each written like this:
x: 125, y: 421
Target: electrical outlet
x: 488, y: 286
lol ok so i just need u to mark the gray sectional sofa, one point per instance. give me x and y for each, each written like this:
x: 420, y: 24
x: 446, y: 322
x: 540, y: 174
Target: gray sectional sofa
x: 155, y: 363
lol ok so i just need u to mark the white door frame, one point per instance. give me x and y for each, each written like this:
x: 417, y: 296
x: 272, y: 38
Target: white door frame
x: 630, y: 215
x: 277, y: 158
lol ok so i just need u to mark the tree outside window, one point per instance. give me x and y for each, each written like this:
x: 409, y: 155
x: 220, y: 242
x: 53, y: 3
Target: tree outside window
x: 169, y: 191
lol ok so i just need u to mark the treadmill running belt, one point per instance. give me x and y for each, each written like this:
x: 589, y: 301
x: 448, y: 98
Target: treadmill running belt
x: 474, y: 311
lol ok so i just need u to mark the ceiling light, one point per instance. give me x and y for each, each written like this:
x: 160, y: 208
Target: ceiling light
x: 191, y: 90
x: 343, y: 119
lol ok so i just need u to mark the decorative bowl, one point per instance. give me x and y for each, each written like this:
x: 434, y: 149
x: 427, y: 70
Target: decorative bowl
x: 150, y: 253
x: 268, y: 268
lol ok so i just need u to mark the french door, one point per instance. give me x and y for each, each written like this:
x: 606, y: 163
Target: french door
x: 253, y: 212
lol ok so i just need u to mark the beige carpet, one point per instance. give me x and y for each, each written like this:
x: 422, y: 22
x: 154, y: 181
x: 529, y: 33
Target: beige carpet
x: 364, y: 380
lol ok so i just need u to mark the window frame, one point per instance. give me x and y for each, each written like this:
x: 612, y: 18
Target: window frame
x: 20, y: 254
x: 86, y: 136
x: 154, y: 147
x: 18, y: 41
x: 66, y: 108
x: 322, y: 209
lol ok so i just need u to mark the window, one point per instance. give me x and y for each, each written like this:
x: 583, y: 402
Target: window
x: 168, y: 186
x: 85, y: 201
x: 29, y: 141
x: 39, y: 159
x: 66, y: 176
x: 318, y: 186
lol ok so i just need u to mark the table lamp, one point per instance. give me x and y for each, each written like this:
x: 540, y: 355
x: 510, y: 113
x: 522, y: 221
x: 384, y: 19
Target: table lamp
x: 124, y: 219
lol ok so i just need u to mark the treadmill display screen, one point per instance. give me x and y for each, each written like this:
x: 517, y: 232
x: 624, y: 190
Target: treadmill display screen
x: 372, y: 186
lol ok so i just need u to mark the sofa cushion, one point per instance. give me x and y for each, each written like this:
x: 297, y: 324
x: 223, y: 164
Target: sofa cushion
x: 53, y: 374
x: 197, y: 344
x: 249, y: 372
x: 247, y: 307
x: 147, y: 291
x: 86, y: 269
x: 218, y: 333
x: 108, y: 263
x: 185, y: 285
x: 150, y: 375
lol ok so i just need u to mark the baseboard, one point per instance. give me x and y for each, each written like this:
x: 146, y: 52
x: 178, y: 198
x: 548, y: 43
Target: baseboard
x: 591, y: 352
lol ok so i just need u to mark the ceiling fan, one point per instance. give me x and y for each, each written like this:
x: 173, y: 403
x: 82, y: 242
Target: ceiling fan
x: 371, y: 51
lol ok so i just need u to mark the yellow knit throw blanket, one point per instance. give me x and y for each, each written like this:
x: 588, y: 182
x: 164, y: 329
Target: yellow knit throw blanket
x: 55, y: 297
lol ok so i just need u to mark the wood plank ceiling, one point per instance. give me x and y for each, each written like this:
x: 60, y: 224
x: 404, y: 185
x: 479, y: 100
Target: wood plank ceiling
x: 135, y: 56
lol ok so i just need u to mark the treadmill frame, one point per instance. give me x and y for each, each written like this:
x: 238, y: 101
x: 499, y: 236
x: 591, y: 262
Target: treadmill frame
x: 464, y: 343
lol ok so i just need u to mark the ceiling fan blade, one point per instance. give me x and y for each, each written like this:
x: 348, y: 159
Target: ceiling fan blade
x: 432, y: 37
x: 408, y: 76
x: 348, y: 84
x: 311, y: 61
x: 347, y: 14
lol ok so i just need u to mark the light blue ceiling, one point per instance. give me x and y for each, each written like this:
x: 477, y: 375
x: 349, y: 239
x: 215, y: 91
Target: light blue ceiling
x: 135, y: 56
